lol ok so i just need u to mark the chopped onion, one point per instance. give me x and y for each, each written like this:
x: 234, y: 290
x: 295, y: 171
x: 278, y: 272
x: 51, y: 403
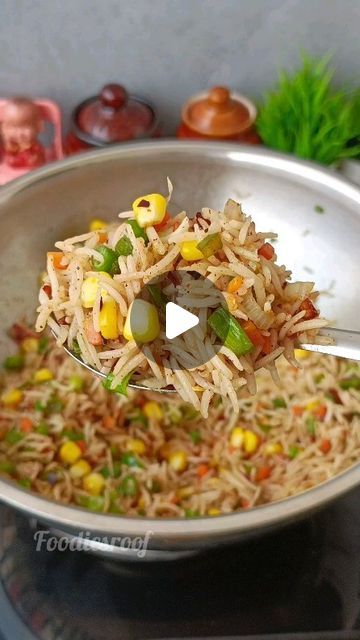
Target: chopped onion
x: 263, y: 320
x: 298, y: 290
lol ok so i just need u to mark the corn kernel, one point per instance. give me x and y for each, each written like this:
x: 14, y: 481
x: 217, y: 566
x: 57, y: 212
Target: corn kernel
x: 80, y: 469
x: 12, y: 397
x: 178, y: 460
x: 94, y: 483
x: 70, y: 452
x: 312, y: 405
x: 273, y: 448
x: 237, y: 437
x: 142, y: 322
x: 30, y: 345
x: 90, y: 288
x: 301, y: 354
x: 185, y: 492
x: 235, y: 284
x: 43, y: 375
x: 136, y: 446
x: 232, y: 302
x: 251, y: 441
x: 153, y: 410
x: 214, y: 512
x: 189, y: 251
x: 149, y: 210
x: 96, y: 224
x: 108, y: 319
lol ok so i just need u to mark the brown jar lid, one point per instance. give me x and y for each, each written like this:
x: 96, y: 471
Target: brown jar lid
x: 217, y: 113
x: 114, y: 116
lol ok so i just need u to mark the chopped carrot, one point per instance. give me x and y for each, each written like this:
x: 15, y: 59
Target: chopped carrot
x: 202, y: 470
x: 245, y: 503
x: 82, y: 445
x: 325, y: 445
x: 320, y: 411
x: 57, y: 257
x: 163, y: 223
x: 267, y: 345
x: 254, y: 334
x: 109, y: 422
x: 93, y: 336
x: 266, y: 251
x: 103, y: 237
x: 26, y: 425
x: 310, y: 311
x: 47, y: 289
x: 235, y: 284
x: 175, y: 500
x: 298, y: 410
x: 263, y: 473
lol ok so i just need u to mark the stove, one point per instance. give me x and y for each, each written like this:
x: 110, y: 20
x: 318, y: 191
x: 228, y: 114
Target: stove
x: 300, y: 582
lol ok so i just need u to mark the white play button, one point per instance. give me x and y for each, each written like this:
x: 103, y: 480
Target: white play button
x: 178, y: 320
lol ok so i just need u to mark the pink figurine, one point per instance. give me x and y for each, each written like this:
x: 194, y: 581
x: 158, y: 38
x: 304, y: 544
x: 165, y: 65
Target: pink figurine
x: 21, y: 122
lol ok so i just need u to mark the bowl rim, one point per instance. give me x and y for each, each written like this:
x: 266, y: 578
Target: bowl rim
x: 179, y: 530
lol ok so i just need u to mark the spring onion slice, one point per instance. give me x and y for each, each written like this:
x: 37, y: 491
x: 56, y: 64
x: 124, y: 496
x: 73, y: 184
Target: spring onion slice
x: 159, y: 298
x: 124, y: 247
x: 230, y: 332
x: 210, y: 244
x: 120, y: 388
x: 138, y: 231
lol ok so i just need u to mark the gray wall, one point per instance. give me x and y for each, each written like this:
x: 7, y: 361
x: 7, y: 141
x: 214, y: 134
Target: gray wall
x: 167, y: 49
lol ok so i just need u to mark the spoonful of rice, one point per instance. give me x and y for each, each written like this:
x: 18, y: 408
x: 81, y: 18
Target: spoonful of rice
x: 107, y: 296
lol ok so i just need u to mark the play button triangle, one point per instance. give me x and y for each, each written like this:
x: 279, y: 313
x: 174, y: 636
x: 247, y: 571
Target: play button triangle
x: 178, y: 320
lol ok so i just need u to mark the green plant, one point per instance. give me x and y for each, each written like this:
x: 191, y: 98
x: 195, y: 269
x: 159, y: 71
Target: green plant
x: 306, y: 116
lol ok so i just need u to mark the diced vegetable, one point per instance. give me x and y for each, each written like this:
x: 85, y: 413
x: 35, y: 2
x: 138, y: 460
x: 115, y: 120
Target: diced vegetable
x: 7, y: 467
x: 124, y: 247
x: 293, y: 452
x: 43, y: 344
x: 254, y: 334
x: 43, y: 375
x: 153, y: 410
x: 310, y: 311
x: 325, y: 445
x: 93, y: 483
x: 235, y: 284
x: 158, y: 297
x: 266, y: 251
x: 80, y: 469
x: 74, y: 436
x: 109, y: 422
x: 213, y: 511
x: 263, y: 473
x: 279, y: 403
x: 26, y: 425
x: 57, y: 259
x: 142, y: 322
x: 76, y: 383
x: 350, y: 383
x: 97, y: 224
x: 94, y: 503
x: 311, y: 425
x: 108, y: 319
x: 301, y: 354
x: 90, y: 288
x: 195, y: 437
x: 30, y: 345
x: 108, y: 263
x: 159, y: 227
x: 13, y: 436
x: 70, y: 452
x: 12, y: 397
x: 120, y: 388
x: 25, y: 482
x: 202, y: 470
x: 230, y: 332
x: 178, y: 460
x: 189, y: 251
x: 251, y: 441
x: 129, y: 486
x: 136, y: 445
x: 192, y: 513
x: 237, y: 437
x: 210, y: 244
x: 14, y: 363
x: 138, y: 231
x: 131, y: 460
x: 273, y: 449
x: 54, y: 405
x: 105, y: 471
x: 75, y: 347
x: 150, y: 210
x: 42, y: 429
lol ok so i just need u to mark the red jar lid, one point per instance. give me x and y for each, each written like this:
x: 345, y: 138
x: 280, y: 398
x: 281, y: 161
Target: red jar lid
x: 219, y: 113
x: 114, y: 116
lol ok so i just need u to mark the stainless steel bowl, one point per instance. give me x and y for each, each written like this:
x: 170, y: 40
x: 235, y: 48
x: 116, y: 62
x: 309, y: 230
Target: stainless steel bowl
x: 280, y: 192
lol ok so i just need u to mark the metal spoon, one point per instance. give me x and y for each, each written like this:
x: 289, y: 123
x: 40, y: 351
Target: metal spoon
x: 345, y: 344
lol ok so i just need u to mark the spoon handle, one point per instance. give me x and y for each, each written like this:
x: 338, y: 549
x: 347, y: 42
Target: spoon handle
x: 346, y: 344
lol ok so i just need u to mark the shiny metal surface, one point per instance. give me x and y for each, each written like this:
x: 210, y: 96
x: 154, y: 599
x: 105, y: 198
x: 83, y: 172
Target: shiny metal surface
x: 279, y: 192
x: 346, y: 344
